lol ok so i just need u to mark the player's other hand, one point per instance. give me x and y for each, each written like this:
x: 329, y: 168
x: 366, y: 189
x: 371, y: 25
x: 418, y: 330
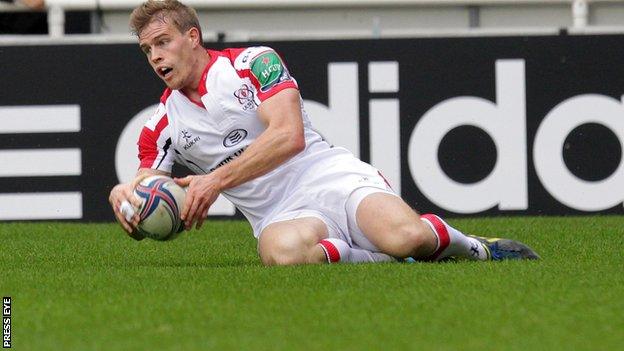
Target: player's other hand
x: 119, y: 194
x: 201, y: 193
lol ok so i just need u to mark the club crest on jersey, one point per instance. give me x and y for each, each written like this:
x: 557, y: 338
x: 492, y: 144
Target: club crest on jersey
x: 189, y: 139
x: 234, y: 137
x: 246, y: 97
x: 268, y: 70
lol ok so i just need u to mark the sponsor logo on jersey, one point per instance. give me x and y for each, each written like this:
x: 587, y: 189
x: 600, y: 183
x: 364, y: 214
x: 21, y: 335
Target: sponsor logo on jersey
x: 245, y: 97
x: 234, y: 137
x: 229, y: 158
x: 268, y: 70
x: 189, y: 139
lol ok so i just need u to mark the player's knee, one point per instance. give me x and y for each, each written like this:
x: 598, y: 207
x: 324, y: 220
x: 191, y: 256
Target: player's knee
x: 281, y: 253
x: 411, y: 238
x: 280, y: 259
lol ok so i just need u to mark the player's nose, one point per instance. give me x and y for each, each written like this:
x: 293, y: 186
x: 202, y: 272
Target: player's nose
x: 156, y: 55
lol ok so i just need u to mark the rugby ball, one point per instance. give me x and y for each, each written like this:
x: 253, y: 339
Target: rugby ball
x: 161, y: 205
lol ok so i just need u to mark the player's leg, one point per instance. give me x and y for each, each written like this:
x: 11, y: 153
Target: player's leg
x: 339, y: 251
x: 387, y: 222
x: 306, y: 240
x: 391, y: 225
x: 294, y: 241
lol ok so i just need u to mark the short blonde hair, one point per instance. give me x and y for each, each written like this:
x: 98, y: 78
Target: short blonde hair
x: 183, y: 17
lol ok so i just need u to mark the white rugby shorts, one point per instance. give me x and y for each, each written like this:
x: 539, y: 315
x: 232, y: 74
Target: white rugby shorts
x: 331, y: 191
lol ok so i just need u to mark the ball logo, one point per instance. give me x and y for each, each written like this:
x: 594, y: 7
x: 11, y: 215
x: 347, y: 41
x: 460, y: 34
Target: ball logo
x: 234, y: 137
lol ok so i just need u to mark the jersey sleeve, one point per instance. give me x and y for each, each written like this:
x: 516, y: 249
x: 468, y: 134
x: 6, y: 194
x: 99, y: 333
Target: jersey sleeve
x: 155, y: 143
x: 265, y: 69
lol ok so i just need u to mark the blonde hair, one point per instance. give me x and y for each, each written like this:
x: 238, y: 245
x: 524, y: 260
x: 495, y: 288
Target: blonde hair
x: 183, y: 17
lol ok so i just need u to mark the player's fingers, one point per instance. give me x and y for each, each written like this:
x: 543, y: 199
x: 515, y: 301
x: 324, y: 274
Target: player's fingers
x: 203, y: 213
x: 192, y: 213
x: 187, y: 206
x: 122, y: 220
x: 183, y: 182
x: 135, y: 220
x: 135, y: 201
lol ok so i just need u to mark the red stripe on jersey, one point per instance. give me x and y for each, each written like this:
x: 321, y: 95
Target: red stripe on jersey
x: 201, y: 88
x: 246, y: 73
x: 165, y: 95
x: 232, y: 53
x: 276, y: 89
x: 439, y: 228
x: 148, y: 143
x: 331, y: 251
x: 198, y: 103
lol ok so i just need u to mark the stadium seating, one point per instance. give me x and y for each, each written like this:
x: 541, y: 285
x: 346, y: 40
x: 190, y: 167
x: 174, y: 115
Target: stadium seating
x: 241, y: 20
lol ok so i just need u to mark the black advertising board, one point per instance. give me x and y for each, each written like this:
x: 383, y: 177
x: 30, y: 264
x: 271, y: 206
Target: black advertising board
x: 460, y: 126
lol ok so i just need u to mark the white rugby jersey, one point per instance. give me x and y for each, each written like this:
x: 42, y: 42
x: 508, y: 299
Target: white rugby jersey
x: 207, y: 134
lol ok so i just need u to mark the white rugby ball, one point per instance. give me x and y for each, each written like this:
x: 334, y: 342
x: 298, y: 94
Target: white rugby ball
x: 161, y: 206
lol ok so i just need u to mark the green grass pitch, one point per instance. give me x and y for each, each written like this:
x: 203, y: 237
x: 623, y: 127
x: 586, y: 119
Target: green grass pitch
x: 88, y: 287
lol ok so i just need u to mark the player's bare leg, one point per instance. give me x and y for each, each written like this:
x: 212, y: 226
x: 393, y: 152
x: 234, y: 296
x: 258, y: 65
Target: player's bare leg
x: 305, y: 240
x: 393, y: 227
x: 293, y: 242
x: 389, y: 223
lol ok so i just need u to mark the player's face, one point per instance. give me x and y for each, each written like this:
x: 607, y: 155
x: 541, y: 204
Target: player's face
x: 169, y: 52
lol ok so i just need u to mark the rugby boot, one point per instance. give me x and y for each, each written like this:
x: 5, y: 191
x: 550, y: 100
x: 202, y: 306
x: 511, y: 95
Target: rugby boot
x: 506, y: 249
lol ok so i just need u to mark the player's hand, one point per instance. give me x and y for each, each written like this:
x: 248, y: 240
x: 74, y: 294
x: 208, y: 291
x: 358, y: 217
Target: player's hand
x: 119, y: 194
x: 202, y: 192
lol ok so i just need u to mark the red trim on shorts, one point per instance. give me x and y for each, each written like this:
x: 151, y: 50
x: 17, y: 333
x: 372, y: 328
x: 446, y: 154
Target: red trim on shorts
x: 440, y: 231
x: 331, y: 251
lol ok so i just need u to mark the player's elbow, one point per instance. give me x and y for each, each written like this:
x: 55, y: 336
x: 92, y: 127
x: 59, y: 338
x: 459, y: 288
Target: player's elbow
x: 292, y: 142
x: 297, y: 143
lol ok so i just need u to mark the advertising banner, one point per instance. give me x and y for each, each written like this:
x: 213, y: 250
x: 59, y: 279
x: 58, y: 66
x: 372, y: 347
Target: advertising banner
x: 458, y: 126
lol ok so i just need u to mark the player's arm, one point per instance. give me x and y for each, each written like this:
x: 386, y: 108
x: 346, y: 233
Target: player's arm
x: 125, y: 192
x: 282, y: 139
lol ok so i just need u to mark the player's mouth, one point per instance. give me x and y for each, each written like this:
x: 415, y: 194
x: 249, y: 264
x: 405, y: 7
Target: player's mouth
x: 165, y: 72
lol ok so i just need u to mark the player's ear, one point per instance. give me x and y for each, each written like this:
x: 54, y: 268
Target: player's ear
x: 194, y: 36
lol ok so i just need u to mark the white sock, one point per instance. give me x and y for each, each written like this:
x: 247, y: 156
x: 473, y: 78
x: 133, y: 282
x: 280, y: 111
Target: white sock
x: 452, y: 242
x: 337, y: 250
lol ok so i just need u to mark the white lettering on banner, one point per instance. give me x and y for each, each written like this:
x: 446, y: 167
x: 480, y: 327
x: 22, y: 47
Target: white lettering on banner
x: 385, y: 141
x: 505, y: 188
x: 385, y: 121
x: 26, y: 206
x: 504, y: 121
x: 40, y: 119
x: 127, y: 161
x: 340, y: 121
x: 40, y: 162
x: 549, y: 164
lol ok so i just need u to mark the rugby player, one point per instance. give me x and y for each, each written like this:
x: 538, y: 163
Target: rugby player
x: 236, y: 119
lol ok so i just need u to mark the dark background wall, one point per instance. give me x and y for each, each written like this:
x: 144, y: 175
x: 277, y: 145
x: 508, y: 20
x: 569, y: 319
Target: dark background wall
x: 112, y: 83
